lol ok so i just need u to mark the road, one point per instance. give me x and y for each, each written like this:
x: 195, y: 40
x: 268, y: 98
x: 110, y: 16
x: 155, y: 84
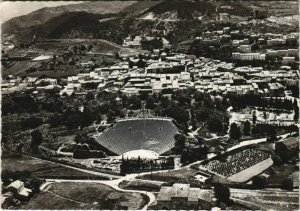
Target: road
x: 111, y: 183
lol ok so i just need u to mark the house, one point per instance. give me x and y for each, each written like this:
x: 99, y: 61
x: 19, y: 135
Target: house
x: 18, y: 189
x: 182, y: 196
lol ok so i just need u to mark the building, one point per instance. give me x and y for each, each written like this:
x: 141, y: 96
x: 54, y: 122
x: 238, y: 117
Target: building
x: 245, y: 48
x: 248, y: 56
x: 18, y: 189
x: 288, y: 59
x: 182, y: 196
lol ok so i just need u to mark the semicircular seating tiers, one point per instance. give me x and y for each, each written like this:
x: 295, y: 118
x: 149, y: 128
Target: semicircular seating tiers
x: 155, y: 134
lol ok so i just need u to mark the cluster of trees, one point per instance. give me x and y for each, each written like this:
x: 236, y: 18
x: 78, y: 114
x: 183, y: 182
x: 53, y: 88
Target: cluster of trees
x: 193, y: 154
x: 236, y: 132
x: 179, y: 144
x: 178, y: 107
x: 156, y: 43
x: 73, y: 119
x: 222, y: 193
x: 81, y: 48
x: 242, y: 101
x: 36, y: 139
x: 83, y: 151
x: 31, y: 122
x: 137, y: 165
x: 284, y: 154
x: 261, y: 182
x: 18, y: 104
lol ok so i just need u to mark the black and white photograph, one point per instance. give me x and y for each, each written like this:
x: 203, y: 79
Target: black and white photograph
x: 150, y: 105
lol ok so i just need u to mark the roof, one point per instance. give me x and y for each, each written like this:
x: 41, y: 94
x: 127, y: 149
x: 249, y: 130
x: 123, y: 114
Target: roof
x: 205, y: 195
x: 15, y: 184
x: 25, y: 192
x: 181, y: 190
x: 193, y: 194
x: 164, y: 194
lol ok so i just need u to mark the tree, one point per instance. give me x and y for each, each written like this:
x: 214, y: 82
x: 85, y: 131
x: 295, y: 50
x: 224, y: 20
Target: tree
x: 73, y: 120
x: 259, y: 181
x: 82, y: 48
x: 271, y: 134
x: 150, y: 103
x: 234, y: 132
x: 31, y: 122
x: 254, y: 117
x: 141, y: 63
x: 179, y: 142
x: 222, y: 193
x: 55, y: 120
x: 90, y: 96
x: 215, y: 124
x: 296, y: 111
x: 36, y: 138
x: 134, y: 102
x: 287, y: 184
x: 247, y: 128
x: 265, y: 115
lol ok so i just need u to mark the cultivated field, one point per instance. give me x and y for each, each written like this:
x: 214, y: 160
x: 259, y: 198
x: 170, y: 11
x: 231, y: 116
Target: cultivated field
x: 268, y: 199
x: 180, y: 175
x: 81, y: 195
x: 14, y: 162
x: 19, y: 68
x: 141, y: 185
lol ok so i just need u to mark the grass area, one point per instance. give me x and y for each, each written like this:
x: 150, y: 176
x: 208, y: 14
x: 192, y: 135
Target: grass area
x: 15, y: 162
x: 180, y: 175
x: 140, y: 185
x: 84, y: 196
x: 19, y: 67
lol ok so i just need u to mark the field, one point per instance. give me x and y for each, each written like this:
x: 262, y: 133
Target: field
x: 40, y: 168
x: 180, y: 175
x: 275, y: 199
x: 84, y: 196
x: 141, y: 185
x: 19, y: 67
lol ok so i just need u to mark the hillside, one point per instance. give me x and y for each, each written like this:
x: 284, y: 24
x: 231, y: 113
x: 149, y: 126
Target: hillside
x: 178, y: 20
x: 43, y: 15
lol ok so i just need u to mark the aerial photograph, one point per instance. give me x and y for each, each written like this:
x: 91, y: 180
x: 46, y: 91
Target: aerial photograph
x: 150, y: 105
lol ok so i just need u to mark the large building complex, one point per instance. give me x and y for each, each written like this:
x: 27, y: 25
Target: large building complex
x: 182, y: 196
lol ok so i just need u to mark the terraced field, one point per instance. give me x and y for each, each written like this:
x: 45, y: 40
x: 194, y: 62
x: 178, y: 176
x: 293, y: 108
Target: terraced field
x: 275, y: 199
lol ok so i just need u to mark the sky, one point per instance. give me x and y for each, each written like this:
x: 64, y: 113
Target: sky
x: 9, y: 10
